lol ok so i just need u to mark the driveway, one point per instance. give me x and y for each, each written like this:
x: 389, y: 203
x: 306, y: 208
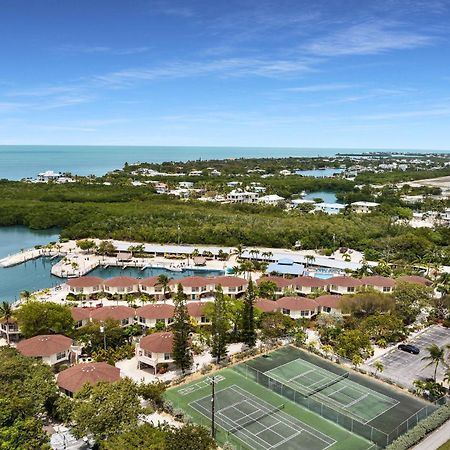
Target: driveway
x: 404, y: 367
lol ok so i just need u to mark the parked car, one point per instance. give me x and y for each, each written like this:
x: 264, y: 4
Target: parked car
x: 409, y: 348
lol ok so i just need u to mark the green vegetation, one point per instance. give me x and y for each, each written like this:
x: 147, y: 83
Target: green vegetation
x: 219, y: 326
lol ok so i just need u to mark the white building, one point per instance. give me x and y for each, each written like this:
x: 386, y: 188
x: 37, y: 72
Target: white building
x: 329, y: 208
x: 51, y: 349
x: 237, y: 196
x: 364, y: 207
x: 49, y: 175
x: 271, y: 199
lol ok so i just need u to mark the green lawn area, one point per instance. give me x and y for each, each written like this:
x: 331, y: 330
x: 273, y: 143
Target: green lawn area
x: 446, y: 446
x: 239, y: 398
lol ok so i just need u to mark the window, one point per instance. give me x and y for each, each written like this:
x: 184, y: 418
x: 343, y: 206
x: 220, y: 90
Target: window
x: 125, y: 321
x: 326, y: 309
x: 170, y: 320
x: 158, y: 289
x: 386, y: 289
x: 120, y: 289
x: 304, y: 313
x: 231, y: 289
x: 79, y: 324
x: 141, y: 319
x: 350, y: 289
x: 167, y: 356
x: 286, y: 311
x: 144, y: 288
x: 334, y: 287
x: 194, y: 289
x: 204, y: 319
x: 60, y: 355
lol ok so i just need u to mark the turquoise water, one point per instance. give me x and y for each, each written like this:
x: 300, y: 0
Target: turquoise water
x: 318, y: 173
x: 19, y: 161
x: 327, y: 197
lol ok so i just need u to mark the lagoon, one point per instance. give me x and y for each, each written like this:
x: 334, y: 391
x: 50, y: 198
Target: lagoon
x: 319, y: 173
x: 327, y: 197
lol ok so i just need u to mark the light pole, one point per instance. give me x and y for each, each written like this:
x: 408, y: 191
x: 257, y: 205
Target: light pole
x: 213, y: 427
x: 103, y: 330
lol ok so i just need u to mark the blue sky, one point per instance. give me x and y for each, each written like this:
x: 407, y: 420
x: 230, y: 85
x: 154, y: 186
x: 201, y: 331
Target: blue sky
x: 364, y: 74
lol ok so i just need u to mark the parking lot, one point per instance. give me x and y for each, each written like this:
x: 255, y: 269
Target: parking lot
x: 404, y: 367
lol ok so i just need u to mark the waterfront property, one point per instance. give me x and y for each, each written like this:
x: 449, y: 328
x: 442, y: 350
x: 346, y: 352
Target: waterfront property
x: 9, y: 329
x: 297, y: 307
x: 154, y: 350
x: 149, y: 316
x: 52, y: 349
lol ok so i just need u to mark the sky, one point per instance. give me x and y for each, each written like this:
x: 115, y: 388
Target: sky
x: 337, y: 74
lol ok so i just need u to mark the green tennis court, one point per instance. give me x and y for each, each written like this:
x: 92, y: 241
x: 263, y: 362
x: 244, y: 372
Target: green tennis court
x: 348, y: 397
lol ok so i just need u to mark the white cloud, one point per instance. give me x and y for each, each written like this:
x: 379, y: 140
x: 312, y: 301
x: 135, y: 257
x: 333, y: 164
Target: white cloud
x: 322, y: 87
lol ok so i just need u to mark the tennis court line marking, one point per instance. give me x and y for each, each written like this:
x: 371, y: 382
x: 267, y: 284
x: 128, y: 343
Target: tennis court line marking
x: 302, y: 374
x: 262, y: 407
x: 357, y: 400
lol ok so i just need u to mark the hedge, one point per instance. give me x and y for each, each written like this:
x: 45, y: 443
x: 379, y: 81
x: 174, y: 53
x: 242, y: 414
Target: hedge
x: 422, y: 429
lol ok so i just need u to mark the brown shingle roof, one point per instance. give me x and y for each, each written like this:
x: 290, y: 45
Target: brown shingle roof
x: 81, y: 313
x: 196, y: 309
x: 344, y: 281
x: 156, y: 311
x: 378, y: 280
x: 121, y: 282
x: 309, y: 282
x: 112, y: 313
x: 230, y: 281
x: 75, y: 377
x: 266, y: 305
x: 150, y: 281
x: 330, y: 301
x: 296, y: 303
x: 85, y: 282
x: 161, y: 342
x: 279, y: 281
x: 44, y: 345
x: 193, y: 281
x: 414, y: 279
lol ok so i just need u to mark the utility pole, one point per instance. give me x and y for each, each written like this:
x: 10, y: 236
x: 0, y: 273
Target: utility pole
x: 213, y: 427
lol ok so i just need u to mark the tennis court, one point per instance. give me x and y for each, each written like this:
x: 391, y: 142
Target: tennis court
x: 258, y: 424
x: 361, y: 403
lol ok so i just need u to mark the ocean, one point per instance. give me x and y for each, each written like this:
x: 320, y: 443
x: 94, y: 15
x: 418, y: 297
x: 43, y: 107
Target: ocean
x: 20, y: 161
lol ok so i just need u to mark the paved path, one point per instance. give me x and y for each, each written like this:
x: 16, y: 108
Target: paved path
x: 435, y: 439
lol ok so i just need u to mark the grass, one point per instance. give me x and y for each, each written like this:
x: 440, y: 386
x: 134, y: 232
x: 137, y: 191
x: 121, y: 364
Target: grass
x: 445, y: 446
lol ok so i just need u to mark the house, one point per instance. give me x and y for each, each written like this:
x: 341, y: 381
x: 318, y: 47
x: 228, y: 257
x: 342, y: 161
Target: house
x: 123, y: 314
x: 302, y: 201
x: 9, y: 329
x: 343, y: 285
x: 232, y: 286
x: 81, y: 316
x: 195, y: 287
x: 329, y: 304
x: 309, y: 285
x: 52, y: 349
x: 152, y: 287
x: 281, y: 283
x: 161, y: 188
x: 49, y: 175
x: 266, y: 305
x: 272, y: 200
x: 155, y: 349
x: 197, y: 311
x: 414, y: 279
x: 363, y: 207
x: 121, y: 285
x: 71, y: 380
x: 286, y: 266
x: 150, y: 315
x: 85, y: 285
x: 238, y: 196
x: 382, y: 284
x: 186, y: 184
x: 297, y: 307
x: 329, y: 208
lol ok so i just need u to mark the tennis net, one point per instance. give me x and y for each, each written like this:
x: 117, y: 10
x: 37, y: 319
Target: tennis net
x: 330, y: 383
x: 264, y: 413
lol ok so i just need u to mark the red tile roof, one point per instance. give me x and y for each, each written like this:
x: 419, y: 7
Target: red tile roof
x: 296, y: 303
x: 156, y: 311
x: 85, y: 282
x: 150, y: 281
x: 309, y: 282
x: 75, y: 377
x: 279, y: 281
x: 121, y: 282
x: 230, y: 281
x: 266, y: 305
x: 344, y: 281
x: 196, y: 309
x: 193, y: 281
x: 81, y: 313
x: 161, y: 342
x: 44, y: 345
x: 330, y: 301
x: 414, y: 279
x: 112, y: 313
x: 377, y: 280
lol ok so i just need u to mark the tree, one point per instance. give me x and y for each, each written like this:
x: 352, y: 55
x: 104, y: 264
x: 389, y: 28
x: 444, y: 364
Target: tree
x: 357, y: 360
x: 248, y: 318
x: 44, y: 318
x: 106, y: 410
x: 367, y: 303
x: 409, y: 298
x: 190, y: 437
x: 145, y: 436
x: 86, y: 245
x: 153, y: 393
x: 436, y: 356
x: 93, y: 338
x: 106, y: 248
x: 219, y: 326
x: 163, y: 282
x: 378, y: 366
x: 25, y: 295
x: 353, y: 342
x: 388, y: 327
x: 6, y: 314
x: 275, y: 325
x: 181, y: 328
x: 267, y: 289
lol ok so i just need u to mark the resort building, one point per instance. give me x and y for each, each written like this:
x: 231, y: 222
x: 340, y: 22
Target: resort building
x: 154, y: 350
x: 309, y: 285
x: 329, y: 208
x: 197, y: 311
x: 232, y: 286
x: 123, y: 314
x: 281, y: 284
x: 344, y: 285
x: 48, y: 175
x: 121, y: 285
x: 238, y: 196
x: 9, y: 329
x: 329, y: 304
x: 272, y: 200
x: 150, y: 315
x: 71, y: 380
x: 52, y: 349
x: 194, y: 287
x: 85, y: 285
x: 81, y: 316
x: 382, y: 284
x: 414, y: 279
x: 152, y: 287
x: 297, y: 307
x: 286, y: 266
x: 266, y: 305
x: 364, y: 207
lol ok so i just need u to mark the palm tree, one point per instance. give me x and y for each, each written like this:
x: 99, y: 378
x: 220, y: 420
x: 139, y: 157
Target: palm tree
x: 25, y: 295
x: 239, y: 250
x: 436, y: 356
x: 379, y: 367
x: 309, y: 259
x: 443, y: 284
x: 267, y: 255
x: 163, y: 281
x: 6, y: 313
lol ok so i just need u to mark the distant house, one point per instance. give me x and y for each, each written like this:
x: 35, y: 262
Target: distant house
x: 280, y: 283
x: 154, y: 350
x: 266, y: 305
x: 123, y: 314
x: 232, y: 286
x: 52, y: 349
x: 329, y: 304
x: 382, y: 284
x: 121, y: 285
x: 81, y: 316
x: 414, y: 279
x: 297, y: 307
x: 363, y: 207
x: 238, y: 196
x: 161, y: 188
x: 197, y: 311
x: 85, y: 285
x: 71, y: 380
x: 272, y: 200
x: 286, y: 266
x: 194, y: 287
x: 49, y: 175
x: 9, y: 330
x: 343, y: 285
x: 329, y: 208
x: 152, y: 287
x: 309, y: 285
x: 150, y: 315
